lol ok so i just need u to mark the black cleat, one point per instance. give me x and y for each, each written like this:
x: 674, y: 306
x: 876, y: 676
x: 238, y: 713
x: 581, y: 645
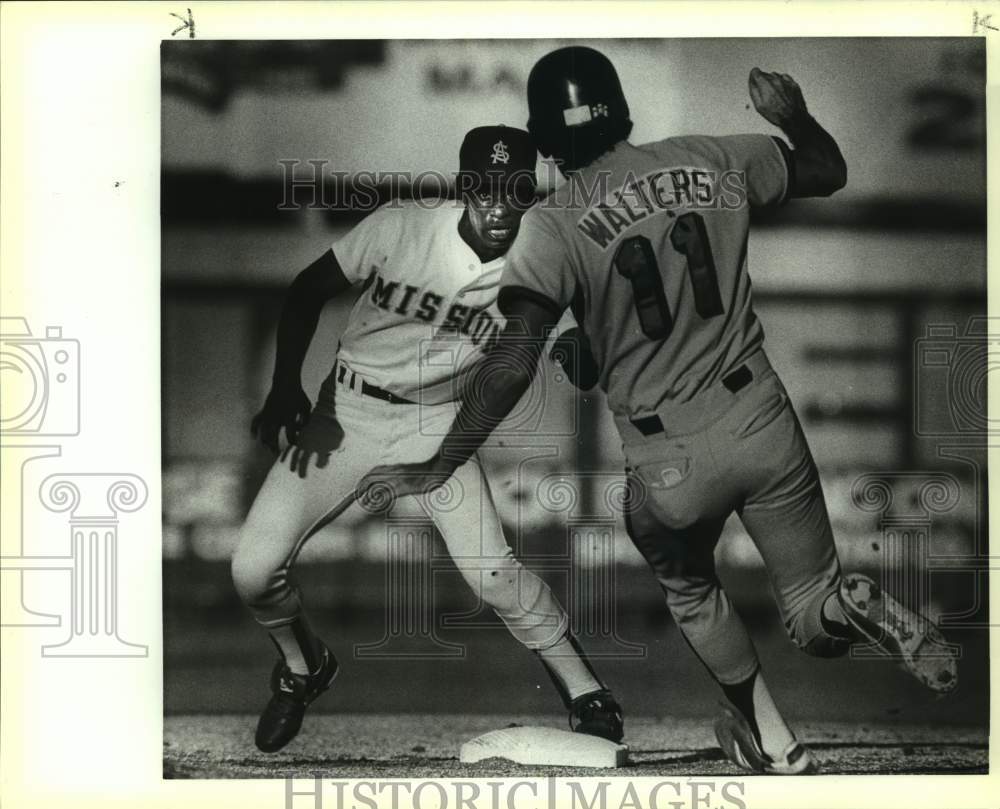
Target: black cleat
x: 597, y: 714
x: 282, y: 717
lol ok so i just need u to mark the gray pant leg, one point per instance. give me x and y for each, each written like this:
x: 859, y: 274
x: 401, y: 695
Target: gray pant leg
x: 785, y: 513
x: 683, y: 562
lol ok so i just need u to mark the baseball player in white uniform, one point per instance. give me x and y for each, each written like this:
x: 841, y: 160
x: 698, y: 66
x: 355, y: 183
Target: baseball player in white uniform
x: 648, y: 245
x: 425, y: 315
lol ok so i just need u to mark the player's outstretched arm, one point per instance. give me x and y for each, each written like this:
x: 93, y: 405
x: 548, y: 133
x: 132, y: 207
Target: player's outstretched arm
x: 287, y: 404
x: 818, y: 166
x: 501, y: 379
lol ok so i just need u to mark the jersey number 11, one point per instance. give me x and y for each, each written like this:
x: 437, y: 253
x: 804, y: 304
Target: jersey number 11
x: 636, y: 261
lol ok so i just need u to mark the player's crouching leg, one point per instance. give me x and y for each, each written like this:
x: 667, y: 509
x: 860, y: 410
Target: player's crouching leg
x: 262, y: 588
x: 531, y: 612
x: 306, y: 667
x: 522, y: 600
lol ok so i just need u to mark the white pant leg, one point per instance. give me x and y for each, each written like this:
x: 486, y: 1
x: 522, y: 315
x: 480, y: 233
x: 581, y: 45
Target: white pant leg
x: 287, y: 506
x: 466, y: 516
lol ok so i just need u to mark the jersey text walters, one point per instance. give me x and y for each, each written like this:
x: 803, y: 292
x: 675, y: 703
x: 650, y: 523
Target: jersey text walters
x: 609, y: 213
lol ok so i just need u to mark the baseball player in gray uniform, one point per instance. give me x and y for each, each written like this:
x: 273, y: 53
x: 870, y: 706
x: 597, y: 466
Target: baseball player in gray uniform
x: 648, y: 246
x: 426, y: 313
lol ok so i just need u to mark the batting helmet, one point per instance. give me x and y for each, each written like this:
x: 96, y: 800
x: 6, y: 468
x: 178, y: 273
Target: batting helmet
x: 575, y: 99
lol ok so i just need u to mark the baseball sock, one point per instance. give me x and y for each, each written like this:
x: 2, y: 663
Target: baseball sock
x: 297, y: 645
x: 569, y: 669
x: 753, y: 699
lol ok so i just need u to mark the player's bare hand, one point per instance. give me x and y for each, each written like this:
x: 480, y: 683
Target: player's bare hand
x: 286, y: 407
x: 383, y: 485
x: 320, y: 437
x: 776, y: 96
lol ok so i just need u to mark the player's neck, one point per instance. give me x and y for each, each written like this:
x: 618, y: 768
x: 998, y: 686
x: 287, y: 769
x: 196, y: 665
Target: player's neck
x: 483, y: 252
x: 568, y: 166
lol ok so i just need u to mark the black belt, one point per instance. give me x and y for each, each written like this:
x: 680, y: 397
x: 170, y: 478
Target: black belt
x: 370, y: 390
x: 734, y: 382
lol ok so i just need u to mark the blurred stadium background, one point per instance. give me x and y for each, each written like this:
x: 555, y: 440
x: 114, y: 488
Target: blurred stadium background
x: 868, y: 300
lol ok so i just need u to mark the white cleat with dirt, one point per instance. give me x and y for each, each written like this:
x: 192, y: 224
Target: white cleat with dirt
x: 904, y: 635
x: 738, y: 742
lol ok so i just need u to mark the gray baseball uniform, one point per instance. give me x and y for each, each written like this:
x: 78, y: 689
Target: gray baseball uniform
x: 648, y: 245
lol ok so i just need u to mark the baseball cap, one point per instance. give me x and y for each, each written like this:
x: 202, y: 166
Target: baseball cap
x: 498, y: 158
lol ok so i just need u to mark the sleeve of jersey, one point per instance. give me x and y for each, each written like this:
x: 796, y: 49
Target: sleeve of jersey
x: 356, y: 252
x: 537, y: 268
x: 765, y: 162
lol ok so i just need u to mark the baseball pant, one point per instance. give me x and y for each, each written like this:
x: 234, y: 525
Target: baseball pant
x: 372, y: 432
x: 726, y: 451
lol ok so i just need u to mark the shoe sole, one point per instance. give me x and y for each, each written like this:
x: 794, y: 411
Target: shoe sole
x: 890, y: 626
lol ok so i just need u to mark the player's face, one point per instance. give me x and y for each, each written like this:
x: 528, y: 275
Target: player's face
x: 495, y: 218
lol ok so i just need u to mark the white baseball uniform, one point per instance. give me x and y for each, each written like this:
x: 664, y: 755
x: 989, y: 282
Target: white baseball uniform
x: 427, y: 309
x: 425, y: 291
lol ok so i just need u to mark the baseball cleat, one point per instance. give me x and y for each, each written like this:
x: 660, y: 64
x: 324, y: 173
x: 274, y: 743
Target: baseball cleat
x: 906, y: 636
x: 738, y: 742
x: 292, y: 693
x: 597, y: 714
